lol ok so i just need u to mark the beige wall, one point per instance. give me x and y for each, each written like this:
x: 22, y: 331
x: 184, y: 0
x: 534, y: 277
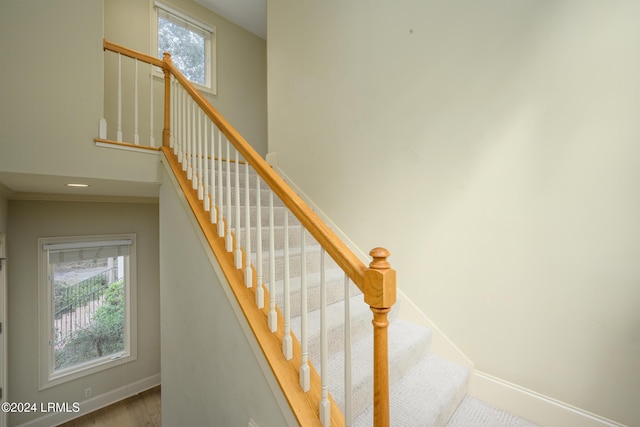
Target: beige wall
x: 493, y: 148
x: 32, y: 219
x: 4, y: 203
x: 241, y: 69
x: 52, y: 92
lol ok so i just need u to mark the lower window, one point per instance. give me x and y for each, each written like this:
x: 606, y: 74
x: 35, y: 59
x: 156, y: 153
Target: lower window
x: 87, y: 305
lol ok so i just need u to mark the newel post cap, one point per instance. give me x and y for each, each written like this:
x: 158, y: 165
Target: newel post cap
x: 380, y: 280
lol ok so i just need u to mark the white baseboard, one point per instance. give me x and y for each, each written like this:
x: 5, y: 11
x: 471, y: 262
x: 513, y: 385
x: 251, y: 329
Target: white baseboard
x: 89, y: 405
x: 533, y: 406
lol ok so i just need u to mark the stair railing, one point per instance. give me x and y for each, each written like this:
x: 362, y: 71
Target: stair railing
x: 205, y: 152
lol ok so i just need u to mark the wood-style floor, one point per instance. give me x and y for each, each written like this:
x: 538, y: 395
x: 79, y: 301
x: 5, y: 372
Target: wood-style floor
x: 136, y: 411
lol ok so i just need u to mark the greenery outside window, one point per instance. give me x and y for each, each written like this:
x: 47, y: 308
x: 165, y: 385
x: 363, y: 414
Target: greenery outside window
x: 191, y: 44
x: 87, y: 305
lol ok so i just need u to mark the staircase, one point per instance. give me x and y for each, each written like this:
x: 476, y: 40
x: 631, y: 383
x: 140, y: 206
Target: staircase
x: 301, y: 288
x: 425, y: 390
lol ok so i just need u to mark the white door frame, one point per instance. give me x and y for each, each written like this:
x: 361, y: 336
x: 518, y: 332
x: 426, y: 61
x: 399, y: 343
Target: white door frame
x: 3, y: 325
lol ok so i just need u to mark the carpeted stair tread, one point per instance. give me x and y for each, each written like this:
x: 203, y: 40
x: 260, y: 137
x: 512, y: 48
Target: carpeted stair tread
x: 408, y: 342
x: 475, y: 413
x: 425, y: 396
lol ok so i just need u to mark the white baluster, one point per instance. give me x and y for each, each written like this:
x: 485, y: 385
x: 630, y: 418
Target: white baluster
x: 305, y: 370
x: 152, y: 142
x: 325, y: 406
x: 229, y: 241
x: 136, y: 135
x: 214, y: 216
x: 194, y: 145
x: 348, y: 413
x: 205, y: 173
x: 273, y: 318
x: 187, y: 140
x: 176, y: 110
x: 248, y: 271
x: 177, y: 134
x: 259, y: 288
x: 199, y: 184
x: 287, y: 342
x: 220, y: 186
x: 119, y: 133
x: 185, y: 146
x: 238, y: 253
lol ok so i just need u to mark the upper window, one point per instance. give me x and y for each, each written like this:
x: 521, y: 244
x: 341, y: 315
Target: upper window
x: 87, y: 308
x: 190, y: 43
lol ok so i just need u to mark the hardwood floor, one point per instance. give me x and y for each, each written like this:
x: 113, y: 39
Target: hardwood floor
x: 140, y: 410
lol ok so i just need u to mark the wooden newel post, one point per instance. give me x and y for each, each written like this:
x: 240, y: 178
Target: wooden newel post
x: 380, y: 294
x: 166, y: 131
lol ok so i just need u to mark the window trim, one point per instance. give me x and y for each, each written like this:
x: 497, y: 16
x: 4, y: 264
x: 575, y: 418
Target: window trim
x: 47, y: 377
x: 211, y: 79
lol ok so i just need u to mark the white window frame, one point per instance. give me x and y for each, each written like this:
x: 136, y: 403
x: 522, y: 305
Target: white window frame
x: 210, y: 85
x: 47, y: 376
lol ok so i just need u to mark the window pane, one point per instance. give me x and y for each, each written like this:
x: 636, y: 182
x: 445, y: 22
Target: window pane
x: 187, y: 49
x: 89, y: 309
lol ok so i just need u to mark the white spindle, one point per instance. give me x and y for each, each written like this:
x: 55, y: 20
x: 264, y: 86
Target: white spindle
x: 205, y: 173
x: 177, y: 147
x: 273, y: 318
x: 220, y: 186
x: 187, y: 140
x: 194, y: 145
x: 214, y: 217
x: 259, y: 285
x: 136, y: 135
x: 176, y: 110
x: 152, y: 142
x: 287, y: 342
x: 305, y: 371
x: 119, y: 133
x: 185, y: 146
x: 248, y: 272
x: 229, y: 241
x: 238, y: 253
x: 325, y: 406
x: 200, y: 155
x: 348, y: 417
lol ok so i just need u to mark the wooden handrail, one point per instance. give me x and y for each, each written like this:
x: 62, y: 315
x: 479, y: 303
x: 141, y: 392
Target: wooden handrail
x: 339, y: 251
x: 113, y: 47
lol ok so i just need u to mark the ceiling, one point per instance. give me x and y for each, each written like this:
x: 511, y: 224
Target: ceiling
x: 248, y: 14
x: 34, y: 186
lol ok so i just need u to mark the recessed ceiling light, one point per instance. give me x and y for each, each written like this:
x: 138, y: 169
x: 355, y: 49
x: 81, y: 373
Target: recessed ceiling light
x: 77, y: 185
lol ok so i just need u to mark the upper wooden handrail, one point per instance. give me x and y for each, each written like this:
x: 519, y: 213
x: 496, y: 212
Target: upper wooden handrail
x: 113, y: 47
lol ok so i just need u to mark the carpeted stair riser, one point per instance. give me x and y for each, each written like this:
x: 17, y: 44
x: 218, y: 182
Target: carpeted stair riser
x: 294, y: 238
x: 278, y: 216
x: 361, y: 318
x: 313, y: 264
x: 334, y: 291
